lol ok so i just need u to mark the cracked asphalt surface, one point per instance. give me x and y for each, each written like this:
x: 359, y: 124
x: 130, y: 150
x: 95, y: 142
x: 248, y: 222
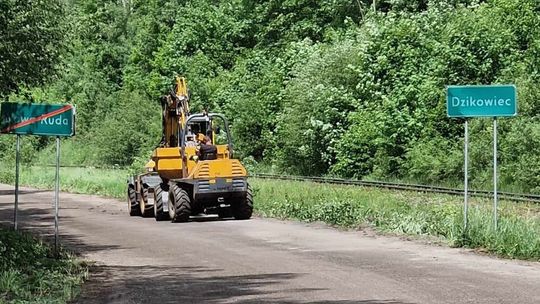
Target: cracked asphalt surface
x: 208, y: 260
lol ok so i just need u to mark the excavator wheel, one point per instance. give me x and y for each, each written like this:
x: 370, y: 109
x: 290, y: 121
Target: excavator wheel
x: 133, y: 205
x: 146, y: 209
x: 243, y: 209
x: 179, y: 204
x: 159, y: 214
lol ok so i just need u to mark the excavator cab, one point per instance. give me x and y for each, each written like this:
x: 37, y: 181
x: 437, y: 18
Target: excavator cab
x: 213, y: 125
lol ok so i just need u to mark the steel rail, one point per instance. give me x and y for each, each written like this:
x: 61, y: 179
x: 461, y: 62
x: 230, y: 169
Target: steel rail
x: 520, y: 197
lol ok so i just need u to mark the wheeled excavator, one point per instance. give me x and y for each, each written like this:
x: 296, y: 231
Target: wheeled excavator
x: 181, y: 179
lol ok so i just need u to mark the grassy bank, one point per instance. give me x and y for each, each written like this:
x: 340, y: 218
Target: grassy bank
x: 105, y: 182
x: 406, y: 213
x: 403, y: 213
x: 30, y: 274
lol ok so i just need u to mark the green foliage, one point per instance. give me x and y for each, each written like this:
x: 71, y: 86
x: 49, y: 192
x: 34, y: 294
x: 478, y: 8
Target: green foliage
x: 132, y: 128
x: 31, y: 33
x: 317, y: 102
x: 357, y: 149
x: 310, y: 87
x: 432, y: 160
x: 102, y: 28
x: 251, y: 96
x: 274, y: 22
x: 520, y: 153
x: 406, y: 61
x: 30, y: 273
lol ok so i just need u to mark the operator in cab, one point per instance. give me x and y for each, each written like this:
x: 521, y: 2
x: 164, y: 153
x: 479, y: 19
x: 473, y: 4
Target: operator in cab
x: 206, y: 151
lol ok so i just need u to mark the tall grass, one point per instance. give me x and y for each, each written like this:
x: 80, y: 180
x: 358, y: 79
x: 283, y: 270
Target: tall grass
x: 30, y: 274
x: 404, y: 213
x: 105, y: 182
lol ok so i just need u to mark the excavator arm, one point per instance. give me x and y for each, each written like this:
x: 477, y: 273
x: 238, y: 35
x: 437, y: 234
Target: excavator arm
x: 175, y: 110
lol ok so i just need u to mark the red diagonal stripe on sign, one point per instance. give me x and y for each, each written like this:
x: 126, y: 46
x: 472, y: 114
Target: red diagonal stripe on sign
x: 36, y: 119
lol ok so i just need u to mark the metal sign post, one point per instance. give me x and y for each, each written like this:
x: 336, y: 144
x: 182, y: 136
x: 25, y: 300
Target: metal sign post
x: 481, y: 101
x: 17, y: 161
x: 495, y: 173
x: 466, y: 173
x: 56, y: 193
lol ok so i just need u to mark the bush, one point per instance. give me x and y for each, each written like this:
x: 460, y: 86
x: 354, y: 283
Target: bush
x: 317, y: 101
x: 131, y: 129
x: 434, y: 160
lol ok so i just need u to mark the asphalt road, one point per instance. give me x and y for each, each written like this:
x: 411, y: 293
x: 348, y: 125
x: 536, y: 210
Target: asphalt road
x: 140, y: 260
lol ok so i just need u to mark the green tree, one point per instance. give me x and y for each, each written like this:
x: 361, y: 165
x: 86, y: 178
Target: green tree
x: 31, y: 35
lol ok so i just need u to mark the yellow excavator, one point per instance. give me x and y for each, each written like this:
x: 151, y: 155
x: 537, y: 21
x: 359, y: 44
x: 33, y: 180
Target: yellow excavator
x: 192, y: 171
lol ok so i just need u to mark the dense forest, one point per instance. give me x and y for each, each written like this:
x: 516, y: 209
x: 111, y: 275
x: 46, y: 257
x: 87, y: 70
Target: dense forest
x: 351, y: 88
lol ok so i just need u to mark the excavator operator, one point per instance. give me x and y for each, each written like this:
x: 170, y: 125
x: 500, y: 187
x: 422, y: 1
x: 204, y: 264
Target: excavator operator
x: 206, y: 150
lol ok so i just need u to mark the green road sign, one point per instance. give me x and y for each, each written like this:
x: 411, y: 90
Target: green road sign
x: 37, y: 119
x: 481, y: 101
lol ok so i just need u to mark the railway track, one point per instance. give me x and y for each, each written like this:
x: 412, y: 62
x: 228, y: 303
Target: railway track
x: 518, y: 197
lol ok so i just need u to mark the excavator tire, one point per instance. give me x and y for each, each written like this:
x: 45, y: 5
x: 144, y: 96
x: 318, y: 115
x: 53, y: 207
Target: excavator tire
x: 179, y: 204
x: 145, y: 209
x: 133, y: 205
x: 243, y: 209
x: 159, y: 214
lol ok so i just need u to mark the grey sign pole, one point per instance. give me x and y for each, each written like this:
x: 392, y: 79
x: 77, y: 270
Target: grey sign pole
x: 495, y: 173
x: 466, y: 181
x: 17, y: 160
x: 56, y: 192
